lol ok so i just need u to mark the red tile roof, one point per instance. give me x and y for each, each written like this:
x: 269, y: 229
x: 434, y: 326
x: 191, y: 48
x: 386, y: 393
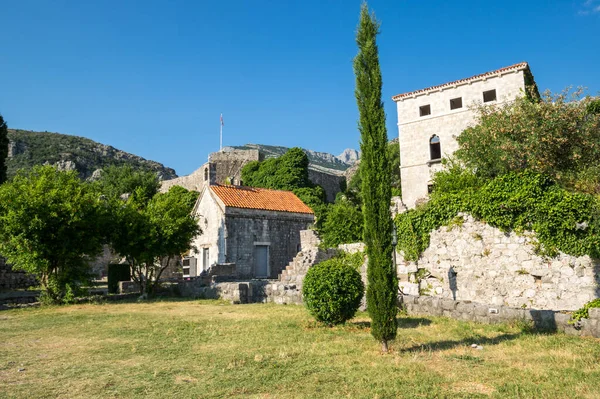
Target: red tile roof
x: 260, y: 198
x: 516, y: 67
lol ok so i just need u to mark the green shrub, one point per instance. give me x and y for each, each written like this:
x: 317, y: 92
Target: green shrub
x: 333, y: 290
x: 344, y: 224
x: 117, y: 272
x: 584, y: 312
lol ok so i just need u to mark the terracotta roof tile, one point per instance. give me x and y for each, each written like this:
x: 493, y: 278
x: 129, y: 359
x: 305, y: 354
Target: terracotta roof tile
x: 516, y: 67
x: 260, y: 198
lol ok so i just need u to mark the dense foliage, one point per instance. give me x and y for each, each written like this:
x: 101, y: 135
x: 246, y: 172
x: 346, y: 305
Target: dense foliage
x: 333, y: 289
x: 3, y: 149
x: 116, y: 181
x: 584, y: 312
x: 344, y: 224
x: 151, y: 232
x: 38, y: 148
x: 554, y: 136
x: 382, y: 284
x: 318, y: 159
x: 288, y: 172
x: 50, y: 224
x: 562, y: 220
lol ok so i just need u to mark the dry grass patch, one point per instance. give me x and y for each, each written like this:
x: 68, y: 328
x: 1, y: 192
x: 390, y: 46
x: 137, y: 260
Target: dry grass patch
x: 210, y: 349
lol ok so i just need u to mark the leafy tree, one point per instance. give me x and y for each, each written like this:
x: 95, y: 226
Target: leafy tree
x: 288, y: 172
x: 554, y: 136
x: 3, y: 149
x: 382, y: 284
x: 50, y: 224
x: 344, y: 224
x: 314, y: 197
x: 152, y: 234
x: 118, y: 180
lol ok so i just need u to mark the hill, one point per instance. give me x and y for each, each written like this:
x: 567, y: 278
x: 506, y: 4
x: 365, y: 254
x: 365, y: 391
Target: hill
x: 27, y: 149
x: 318, y: 160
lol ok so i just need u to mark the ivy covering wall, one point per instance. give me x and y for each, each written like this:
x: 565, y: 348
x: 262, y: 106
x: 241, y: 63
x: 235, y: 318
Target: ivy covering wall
x: 519, y: 201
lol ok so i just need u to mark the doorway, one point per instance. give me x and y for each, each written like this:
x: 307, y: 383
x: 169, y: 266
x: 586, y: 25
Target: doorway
x: 261, y: 261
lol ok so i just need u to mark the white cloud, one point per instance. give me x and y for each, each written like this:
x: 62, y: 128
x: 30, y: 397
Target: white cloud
x: 589, y: 7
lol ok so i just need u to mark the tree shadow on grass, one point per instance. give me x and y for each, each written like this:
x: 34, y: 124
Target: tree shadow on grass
x: 449, y: 344
x: 403, y: 322
x: 412, y: 322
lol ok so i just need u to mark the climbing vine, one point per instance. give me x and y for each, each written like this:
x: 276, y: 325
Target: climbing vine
x: 517, y: 201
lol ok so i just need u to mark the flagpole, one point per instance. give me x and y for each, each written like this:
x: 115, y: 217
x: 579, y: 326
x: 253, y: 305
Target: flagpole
x: 221, y: 134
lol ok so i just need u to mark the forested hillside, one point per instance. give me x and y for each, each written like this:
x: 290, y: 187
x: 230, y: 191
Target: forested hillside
x: 27, y: 148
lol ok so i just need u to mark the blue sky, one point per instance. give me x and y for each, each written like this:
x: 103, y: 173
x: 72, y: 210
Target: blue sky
x: 152, y: 77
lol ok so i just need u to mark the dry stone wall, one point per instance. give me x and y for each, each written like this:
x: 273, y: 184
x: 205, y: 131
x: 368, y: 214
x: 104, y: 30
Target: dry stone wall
x: 548, y: 320
x: 331, y: 183
x: 473, y: 261
x: 11, y: 279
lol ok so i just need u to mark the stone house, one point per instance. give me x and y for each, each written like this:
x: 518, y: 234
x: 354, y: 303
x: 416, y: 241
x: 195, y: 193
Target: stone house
x: 256, y: 229
x: 429, y: 120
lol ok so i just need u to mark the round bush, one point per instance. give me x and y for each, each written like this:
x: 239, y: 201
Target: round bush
x: 333, y: 290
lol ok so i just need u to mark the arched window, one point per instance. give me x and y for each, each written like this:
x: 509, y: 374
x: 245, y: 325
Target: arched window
x: 206, y: 174
x: 435, y: 151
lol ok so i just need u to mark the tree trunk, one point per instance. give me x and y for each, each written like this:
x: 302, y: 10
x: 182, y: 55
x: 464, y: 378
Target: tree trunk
x: 384, y: 346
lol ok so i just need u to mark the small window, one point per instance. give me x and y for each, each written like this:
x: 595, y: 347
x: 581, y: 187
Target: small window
x: 435, y: 151
x: 206, y: 174
x: 489, y: 95
x: 429, y: 188
x: 425, y: 110
x: 456, y: 103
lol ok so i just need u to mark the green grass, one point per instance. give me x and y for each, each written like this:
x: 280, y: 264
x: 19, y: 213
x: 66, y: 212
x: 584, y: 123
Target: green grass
x: 209, y: 349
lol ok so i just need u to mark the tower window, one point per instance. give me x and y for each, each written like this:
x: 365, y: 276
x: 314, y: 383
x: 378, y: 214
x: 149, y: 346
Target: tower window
x: 425, y: 110
x: 206, y: 174
x: 456, y: 103
x: 489, y: 95
x: 435, y: 151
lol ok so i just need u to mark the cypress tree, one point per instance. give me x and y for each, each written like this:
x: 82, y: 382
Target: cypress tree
x: 382, y: 284
x: 3, y: 149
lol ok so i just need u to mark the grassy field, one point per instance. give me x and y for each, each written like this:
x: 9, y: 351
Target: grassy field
x: 209, y: 349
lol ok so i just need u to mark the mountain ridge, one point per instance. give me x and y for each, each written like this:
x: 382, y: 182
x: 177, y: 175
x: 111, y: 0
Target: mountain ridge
x: 28, y: 148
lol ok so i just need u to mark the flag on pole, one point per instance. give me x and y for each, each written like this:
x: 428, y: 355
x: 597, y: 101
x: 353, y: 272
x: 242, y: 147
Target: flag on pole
x: 222, y: 124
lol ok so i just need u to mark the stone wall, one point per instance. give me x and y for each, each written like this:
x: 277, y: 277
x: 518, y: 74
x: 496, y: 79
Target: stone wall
x: 549, y: 320
x: 332, y: 184
x: 286, y: 289
x: 222, y: 166
x: 226, y: 166
x: 280, y: 231
x: 229, y: 164
x: 11, y: 279
x: 99, y: 266
x: 193, y: 181
x: 473, y: 261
